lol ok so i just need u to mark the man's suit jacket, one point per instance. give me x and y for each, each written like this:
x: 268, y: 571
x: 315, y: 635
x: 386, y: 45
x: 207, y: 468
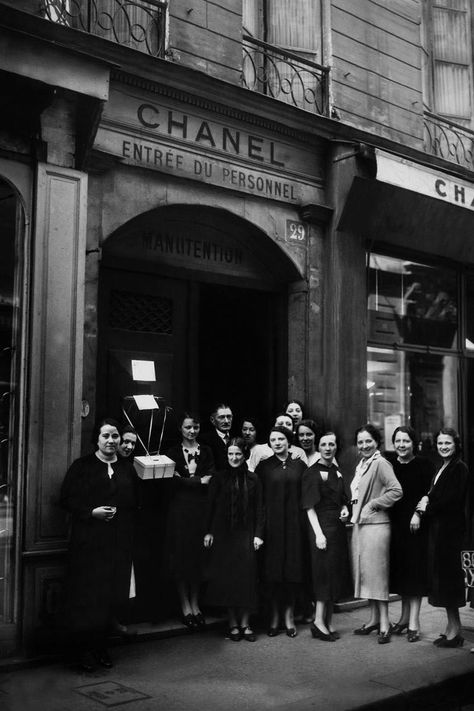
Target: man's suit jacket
x: 219, y: 449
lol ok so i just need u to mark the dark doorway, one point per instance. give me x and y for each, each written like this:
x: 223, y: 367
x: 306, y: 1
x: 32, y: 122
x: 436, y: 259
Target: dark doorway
x: 240, y: 358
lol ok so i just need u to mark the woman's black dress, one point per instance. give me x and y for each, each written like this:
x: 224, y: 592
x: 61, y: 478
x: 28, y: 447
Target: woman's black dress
x: 235, y: 517
x: 284, y: 530
x: 186, y: 528
x: 446, y: 516
x: 330, y: 567
x: 100, y: 552
x: 408, y: 551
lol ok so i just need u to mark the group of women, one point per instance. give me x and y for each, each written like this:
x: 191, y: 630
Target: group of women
x: 256, y: 530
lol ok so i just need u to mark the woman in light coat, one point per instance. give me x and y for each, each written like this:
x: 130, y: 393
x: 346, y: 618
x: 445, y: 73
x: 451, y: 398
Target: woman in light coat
x: 374, y: 490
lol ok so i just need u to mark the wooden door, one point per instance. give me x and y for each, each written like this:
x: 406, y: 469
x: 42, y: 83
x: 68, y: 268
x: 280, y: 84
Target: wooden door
x: 142, y: 317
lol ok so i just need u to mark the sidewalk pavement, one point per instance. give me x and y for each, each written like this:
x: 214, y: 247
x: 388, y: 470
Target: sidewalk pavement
x: 205, y: 672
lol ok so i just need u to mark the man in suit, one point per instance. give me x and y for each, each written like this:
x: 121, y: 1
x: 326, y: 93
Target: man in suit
x: 218, y: 438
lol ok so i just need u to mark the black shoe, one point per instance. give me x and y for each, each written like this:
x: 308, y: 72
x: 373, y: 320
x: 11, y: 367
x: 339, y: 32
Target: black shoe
x: 248, y: 634
x: 456, y: 641
x: 291, y: 632
x: 441, y: 638
x: 87, y: 662
x: 189, y: 622
x: 413, y: 635
x: 335, y: 635
x: 104, y: 659
x: 199, y: 620
x: 233, y: 633
x: 384, y: 637
x: 273, y: 631
x: 319, y: 634
x: 367, y: 629
x: 398, y: 627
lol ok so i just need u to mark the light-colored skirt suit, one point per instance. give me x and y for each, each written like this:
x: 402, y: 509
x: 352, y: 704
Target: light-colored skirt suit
x: 378, y: 489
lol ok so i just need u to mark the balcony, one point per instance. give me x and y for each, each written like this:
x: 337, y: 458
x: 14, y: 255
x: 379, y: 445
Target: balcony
x: 285, y: 76
x: 138, y: 24
x: 449, y: 140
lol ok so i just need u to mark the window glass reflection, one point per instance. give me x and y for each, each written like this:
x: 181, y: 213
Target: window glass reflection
x: 469, y: 341
x: 412, y: 303
x: 416, y: 389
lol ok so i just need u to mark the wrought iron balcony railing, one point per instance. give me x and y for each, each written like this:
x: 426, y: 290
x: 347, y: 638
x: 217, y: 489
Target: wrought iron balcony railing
x: 285, y: 76
x: 139, y: 24
x: 449, y: 140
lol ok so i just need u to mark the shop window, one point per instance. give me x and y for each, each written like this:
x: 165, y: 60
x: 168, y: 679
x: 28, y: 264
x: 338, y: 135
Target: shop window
x: 412, y: 303
x: 409, y: 388
x: 10, y: 353
x: 469, y: 339
x: 414, y: 346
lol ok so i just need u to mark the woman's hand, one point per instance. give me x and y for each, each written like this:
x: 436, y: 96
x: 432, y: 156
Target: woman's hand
x: 206, y: 479
x: 344, y: 515
x: 423, y: 503
x: 104, y: 513
x: 208, y: 540
x: 296, y: 453
x: 321, y: 542
x: 257, y: 543
x: 415, y: 523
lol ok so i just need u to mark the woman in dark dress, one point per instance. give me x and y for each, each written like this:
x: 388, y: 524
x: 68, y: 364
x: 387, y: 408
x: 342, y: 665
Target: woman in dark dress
x: 444, y: 509
x: 99, y: 491
x: 187, y: 518
x: 235, y: 530
x: 325, y: 501
x: 409, y: 540
x: 283, y: 534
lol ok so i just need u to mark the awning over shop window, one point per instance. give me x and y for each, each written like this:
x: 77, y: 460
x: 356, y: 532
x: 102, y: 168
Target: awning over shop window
x: 413, y: 206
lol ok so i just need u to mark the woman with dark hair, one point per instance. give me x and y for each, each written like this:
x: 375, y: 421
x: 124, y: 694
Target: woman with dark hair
x: 307, y: 433
x: 409, y: 539
x: 194, y: 467
x: 444, y: 509
x: 325, y: 500
x: 294, y: 408
x: 249, y: 431
x: 235, y: 530
x: 283, y: 534
x: 99, y: 493
x: 128, y: 441
x: 374, y: 490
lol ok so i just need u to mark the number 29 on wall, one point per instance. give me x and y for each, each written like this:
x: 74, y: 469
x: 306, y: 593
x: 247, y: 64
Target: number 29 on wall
x: 295, y: 231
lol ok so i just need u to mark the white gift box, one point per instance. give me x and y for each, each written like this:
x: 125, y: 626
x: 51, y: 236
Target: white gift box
x: 156, y: 466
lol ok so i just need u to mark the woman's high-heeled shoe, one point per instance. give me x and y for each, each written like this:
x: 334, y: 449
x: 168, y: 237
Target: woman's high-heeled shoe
x: 273, y: 632
x: 439, y: 639
x: 384, y: 637
x: 234, y: 634
x: 199, y: 620
x: 367, y: 629
x: 248, y: 634
x: 456, y: 641
x: 316, y: 633
x: 189, y: 622
x: 398, y: 627
x: 413, y: 635
x: 291, y: 632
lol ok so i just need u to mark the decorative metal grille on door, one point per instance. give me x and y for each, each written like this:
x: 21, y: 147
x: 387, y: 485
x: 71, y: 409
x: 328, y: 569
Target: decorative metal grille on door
x: 141, y: 312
